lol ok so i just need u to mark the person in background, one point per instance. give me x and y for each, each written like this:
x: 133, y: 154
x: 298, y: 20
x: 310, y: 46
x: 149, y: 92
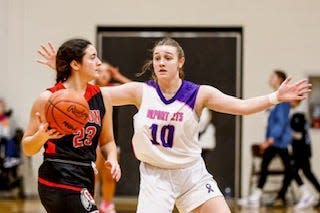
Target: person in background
x: 301, y: 148
x: 8, y: 150
x: 108, y: 75
x: 207, y: 131
x: 278, y: 138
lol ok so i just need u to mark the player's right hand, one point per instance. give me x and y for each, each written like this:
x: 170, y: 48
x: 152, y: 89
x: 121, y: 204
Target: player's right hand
x: 44, y: 132
x: 114, y: 169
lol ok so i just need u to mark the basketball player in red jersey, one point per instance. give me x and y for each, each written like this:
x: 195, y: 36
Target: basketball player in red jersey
x: 166, y: 126
x: 66, y: 177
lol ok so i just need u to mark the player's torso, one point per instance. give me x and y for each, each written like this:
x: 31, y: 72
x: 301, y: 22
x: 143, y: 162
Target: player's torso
x: 166, y: 131
x: 80, y: 146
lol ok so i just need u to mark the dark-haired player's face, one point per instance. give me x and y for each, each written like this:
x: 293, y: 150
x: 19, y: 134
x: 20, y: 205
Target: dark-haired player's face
x: 90, y: 63
x: 166, y: 62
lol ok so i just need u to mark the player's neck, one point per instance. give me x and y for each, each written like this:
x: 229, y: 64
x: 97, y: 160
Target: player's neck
x: 77, y: 84
x: 170, y: 88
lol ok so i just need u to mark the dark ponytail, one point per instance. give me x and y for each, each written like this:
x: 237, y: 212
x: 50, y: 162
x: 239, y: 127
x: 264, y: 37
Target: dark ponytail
x: 73, y: 49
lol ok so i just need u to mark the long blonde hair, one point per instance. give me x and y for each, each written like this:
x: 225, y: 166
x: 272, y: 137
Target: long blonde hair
x: 148, y: 65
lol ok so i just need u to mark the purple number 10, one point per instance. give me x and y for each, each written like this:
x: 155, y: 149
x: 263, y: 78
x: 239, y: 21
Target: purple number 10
x: 166, y: 135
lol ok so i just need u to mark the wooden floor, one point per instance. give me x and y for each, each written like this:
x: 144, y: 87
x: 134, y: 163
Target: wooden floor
x: 123, y: 205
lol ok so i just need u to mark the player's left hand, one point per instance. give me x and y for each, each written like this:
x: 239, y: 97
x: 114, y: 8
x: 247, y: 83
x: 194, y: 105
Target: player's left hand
x: 48, y: 54
x: 114, y: 169
x: 293, y: 92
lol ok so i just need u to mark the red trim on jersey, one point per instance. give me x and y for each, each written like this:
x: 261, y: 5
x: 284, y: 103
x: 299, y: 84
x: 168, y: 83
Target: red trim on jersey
x: 90, y: 91
x: 56, y: 87
x: 51, y: 148
x: 58, y: 185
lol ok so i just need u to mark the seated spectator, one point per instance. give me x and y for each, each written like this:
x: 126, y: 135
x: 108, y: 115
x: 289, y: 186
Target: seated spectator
x: 8, y: 149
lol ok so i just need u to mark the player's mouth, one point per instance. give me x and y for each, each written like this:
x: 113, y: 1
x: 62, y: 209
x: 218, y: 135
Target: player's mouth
x: 162, y: 70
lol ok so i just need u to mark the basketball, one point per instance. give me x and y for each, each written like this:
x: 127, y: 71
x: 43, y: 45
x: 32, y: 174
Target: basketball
x: 67, y: 111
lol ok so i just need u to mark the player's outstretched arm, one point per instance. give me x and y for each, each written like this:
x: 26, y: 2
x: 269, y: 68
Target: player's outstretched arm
x: 214, y: 99
x: 37, y: 132
x: 125, y: 94
x: 106, y: 141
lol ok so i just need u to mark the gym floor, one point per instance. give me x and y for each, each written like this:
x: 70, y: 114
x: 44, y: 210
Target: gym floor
x: 123, y: 205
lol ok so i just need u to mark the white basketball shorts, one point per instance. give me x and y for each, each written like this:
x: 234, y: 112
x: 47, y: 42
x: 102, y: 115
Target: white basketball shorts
x: 187, y: 188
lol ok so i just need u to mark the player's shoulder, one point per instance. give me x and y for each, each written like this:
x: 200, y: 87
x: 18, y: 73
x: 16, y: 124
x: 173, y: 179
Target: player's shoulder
x: 56, y: 87
x: 93, y: 88
x: 207, y: 89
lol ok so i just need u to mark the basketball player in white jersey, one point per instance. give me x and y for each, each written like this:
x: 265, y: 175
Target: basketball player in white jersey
x: 166, y: 130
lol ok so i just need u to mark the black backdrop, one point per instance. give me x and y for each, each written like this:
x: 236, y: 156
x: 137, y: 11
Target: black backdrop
x: 213, y: 57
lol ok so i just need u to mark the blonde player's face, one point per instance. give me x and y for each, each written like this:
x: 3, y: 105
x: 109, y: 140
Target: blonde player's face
x: 90, y: 64
x: 166, y: 63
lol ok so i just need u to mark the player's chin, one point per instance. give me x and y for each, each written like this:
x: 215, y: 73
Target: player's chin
x: 93, y: 75
x: 162, y: 76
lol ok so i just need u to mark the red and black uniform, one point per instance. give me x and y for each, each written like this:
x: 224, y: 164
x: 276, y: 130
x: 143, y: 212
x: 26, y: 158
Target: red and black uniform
x: 66, y: 177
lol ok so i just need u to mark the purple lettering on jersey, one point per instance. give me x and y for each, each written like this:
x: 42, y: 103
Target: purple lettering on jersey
x: 94, y: 117
x: 178, y: 116
x: 166, y: 135
x: 187, y: 93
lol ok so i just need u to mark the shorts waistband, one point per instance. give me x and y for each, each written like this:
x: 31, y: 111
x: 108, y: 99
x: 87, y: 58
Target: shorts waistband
x: 68, y: 162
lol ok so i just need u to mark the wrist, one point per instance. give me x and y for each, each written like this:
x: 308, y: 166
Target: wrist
x: 112, y: 159
x: 38, y: 136
x: 273, y: 98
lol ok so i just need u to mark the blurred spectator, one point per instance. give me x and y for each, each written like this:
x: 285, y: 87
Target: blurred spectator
x: 301, y: 147
x: 315, y: 114
x: 108, y: 76
x: 278, y: 138
x: 9, y: 147
x: 206, y: 132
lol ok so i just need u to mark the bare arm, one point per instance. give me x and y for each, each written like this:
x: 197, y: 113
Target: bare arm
x: 117, y: 75
x: 125, y: 94
x: 37, y: 133
x: 106, y: 141
x: 214, y: 99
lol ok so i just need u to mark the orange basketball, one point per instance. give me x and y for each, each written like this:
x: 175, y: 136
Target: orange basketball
x: 67, y: 111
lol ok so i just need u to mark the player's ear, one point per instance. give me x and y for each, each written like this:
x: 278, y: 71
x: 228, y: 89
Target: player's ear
x: 75, y: 65
x: 181, y: 62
